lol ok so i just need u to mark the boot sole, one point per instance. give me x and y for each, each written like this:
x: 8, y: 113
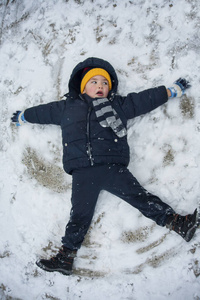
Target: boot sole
x: 62, y: 271
x: 191, y: 231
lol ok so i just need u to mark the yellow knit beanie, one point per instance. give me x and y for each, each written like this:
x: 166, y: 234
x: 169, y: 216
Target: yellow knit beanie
x: 94, y: 72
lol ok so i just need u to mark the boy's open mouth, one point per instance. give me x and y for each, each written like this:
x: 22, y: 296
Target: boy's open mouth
x: 99, y: 93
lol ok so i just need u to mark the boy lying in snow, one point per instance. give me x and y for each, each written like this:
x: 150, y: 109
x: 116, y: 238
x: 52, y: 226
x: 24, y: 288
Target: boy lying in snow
x: 93, y: 120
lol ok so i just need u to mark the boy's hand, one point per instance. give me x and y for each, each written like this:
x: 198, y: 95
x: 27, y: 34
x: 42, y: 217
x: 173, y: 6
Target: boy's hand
x: 179, y: 87
x: 18, y: 118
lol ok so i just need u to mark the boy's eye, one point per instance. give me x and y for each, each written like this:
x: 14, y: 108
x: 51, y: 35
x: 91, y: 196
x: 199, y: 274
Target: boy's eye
x: 95, y: 82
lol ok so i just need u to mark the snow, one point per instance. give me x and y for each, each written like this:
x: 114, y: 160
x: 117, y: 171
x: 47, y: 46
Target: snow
x: 149, y: 43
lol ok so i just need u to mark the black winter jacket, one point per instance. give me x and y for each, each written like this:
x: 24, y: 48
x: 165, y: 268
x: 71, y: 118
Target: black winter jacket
x: 85, y: 141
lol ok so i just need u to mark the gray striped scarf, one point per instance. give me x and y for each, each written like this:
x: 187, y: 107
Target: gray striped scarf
x: 108, y: 117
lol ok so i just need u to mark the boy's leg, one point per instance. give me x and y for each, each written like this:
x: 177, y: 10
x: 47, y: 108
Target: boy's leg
x: 127, y: 187
x: 85, y: 190
x: 86, y: 186
x: 124, y: 185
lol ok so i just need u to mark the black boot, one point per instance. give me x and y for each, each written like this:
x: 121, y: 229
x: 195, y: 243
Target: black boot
x: 62, y: 262
x: 185, y: 226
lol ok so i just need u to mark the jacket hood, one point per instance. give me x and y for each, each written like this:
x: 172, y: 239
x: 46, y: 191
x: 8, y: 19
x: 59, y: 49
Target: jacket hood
x: 75, y: 78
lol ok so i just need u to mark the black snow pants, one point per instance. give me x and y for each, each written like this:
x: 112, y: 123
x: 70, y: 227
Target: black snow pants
x: 87, y: 183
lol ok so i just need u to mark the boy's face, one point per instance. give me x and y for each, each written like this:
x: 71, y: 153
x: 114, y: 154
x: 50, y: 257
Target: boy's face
x: 97, y: 87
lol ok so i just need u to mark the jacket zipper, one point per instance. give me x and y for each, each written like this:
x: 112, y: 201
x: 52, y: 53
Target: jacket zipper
x: 89, y: 148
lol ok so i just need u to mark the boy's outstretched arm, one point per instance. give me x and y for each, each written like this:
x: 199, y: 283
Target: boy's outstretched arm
x: 50, y: 113
x: 136, y: 104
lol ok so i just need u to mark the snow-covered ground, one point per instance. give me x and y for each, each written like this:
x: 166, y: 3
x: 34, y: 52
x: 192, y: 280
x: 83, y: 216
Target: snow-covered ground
x: 125, y: 256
